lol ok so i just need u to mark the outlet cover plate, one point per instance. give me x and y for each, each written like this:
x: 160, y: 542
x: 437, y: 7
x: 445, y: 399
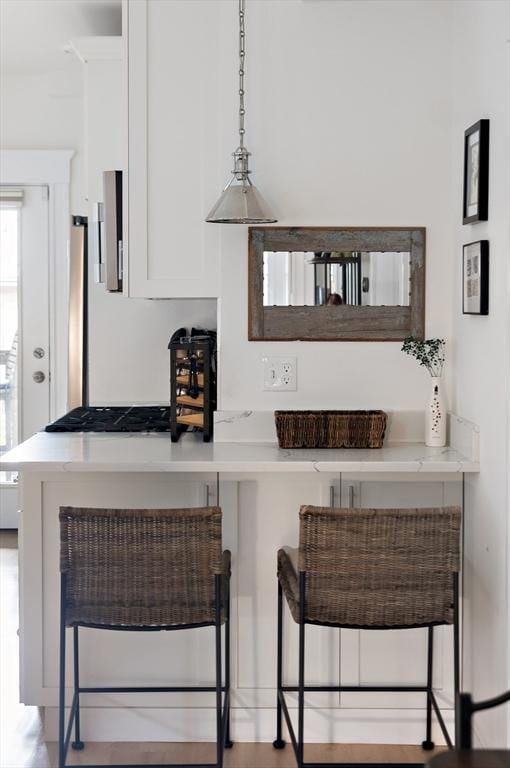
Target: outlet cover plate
x: 280, y: 373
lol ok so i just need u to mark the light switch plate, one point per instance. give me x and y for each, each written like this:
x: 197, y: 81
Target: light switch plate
x: 280, y: 373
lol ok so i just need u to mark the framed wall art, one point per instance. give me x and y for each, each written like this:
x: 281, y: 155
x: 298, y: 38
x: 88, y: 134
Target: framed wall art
x: 476, y: 173
x: 475, y: 282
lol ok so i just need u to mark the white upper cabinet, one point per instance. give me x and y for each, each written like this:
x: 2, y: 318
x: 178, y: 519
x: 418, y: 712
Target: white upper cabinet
x: 173, y: 148
x: 105, y: 131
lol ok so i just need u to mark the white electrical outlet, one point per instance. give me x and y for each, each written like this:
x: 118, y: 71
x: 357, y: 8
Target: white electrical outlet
x: 280, y: 373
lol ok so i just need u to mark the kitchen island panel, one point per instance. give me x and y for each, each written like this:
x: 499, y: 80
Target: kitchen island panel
x: 269, y: 519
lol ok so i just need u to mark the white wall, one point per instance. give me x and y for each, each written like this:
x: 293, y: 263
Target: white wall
x: 44, y: 111
x: 348, y: 108
x: 347, y: 122
x: 129, y: 359
x: 481, y: 89
x: 356, y: 114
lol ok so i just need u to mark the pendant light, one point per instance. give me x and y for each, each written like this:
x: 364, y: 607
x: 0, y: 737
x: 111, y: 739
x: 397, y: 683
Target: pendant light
x: 241, y: 202
x: 333, y: 257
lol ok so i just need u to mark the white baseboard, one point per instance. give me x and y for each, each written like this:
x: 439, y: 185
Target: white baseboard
x: 333, y: 726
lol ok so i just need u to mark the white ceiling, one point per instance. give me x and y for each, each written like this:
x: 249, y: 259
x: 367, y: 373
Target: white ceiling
x: 33, y: 33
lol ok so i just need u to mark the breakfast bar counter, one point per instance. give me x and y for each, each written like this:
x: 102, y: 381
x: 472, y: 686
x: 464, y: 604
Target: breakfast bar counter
x: 135, y: 452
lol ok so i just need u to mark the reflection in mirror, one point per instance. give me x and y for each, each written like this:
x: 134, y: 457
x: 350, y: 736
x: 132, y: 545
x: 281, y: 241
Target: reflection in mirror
x: 333, y: 278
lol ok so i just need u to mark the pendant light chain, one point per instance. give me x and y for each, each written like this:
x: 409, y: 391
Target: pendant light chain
x: 242, y: 54
x: 241, y: 202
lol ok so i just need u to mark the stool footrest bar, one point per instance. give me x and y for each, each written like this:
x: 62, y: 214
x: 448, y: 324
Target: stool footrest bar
x: 154, y: 765
x: 224, y: 717
x: 441, y: 721
x: 362, y: 765
x: 153, y: 689
x: 354, y: 688
x: 70, y: 723
x: 290, y: 727
x: 289, y: 723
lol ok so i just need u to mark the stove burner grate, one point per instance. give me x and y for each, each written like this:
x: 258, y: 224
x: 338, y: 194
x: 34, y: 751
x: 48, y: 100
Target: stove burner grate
x: 150, y: 418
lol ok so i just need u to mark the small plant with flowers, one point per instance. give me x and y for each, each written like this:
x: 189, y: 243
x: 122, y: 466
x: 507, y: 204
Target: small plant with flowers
x: 430, y: 353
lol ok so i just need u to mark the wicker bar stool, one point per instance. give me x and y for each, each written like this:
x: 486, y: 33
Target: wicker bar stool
x: 143, y: 570
x: 369, y: 569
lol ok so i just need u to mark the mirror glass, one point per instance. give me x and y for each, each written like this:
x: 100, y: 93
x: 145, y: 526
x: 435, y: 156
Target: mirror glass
x: 356, y: 278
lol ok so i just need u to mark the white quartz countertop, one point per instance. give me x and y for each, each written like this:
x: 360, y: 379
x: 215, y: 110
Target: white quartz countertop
x: 136, y: 452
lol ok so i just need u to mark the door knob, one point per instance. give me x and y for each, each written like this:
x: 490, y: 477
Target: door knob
x: 38, y: 377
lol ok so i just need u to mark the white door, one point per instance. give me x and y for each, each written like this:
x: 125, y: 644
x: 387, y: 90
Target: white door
x: 24, y: 327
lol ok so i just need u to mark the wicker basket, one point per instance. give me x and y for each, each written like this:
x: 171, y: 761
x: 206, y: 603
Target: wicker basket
x: 330, y: 429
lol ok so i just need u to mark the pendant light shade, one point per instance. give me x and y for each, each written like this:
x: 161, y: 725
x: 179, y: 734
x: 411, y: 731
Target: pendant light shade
x: 241, y: 202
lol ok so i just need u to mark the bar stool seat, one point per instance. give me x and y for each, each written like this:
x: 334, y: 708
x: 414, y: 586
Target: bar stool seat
x: 369, y: 569
x: 143, y: 570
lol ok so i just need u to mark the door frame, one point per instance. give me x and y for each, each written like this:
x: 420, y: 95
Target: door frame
x: 52, y: 168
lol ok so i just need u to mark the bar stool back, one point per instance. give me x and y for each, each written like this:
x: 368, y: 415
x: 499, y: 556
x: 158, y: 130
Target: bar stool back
x: 143, y: 570
x: 370, y: 569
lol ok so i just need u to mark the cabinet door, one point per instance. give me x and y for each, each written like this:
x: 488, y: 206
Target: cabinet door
x: 269, y: 519
x: 173, y: 63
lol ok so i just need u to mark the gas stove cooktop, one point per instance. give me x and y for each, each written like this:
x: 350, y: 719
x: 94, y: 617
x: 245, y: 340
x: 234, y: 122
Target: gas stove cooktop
x: 151, y: 418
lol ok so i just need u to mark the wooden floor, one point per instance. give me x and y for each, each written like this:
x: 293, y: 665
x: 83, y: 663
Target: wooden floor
x: 22, y: 744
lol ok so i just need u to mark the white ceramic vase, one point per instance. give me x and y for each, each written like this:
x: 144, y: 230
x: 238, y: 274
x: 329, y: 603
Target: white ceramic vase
x: 435, y: 415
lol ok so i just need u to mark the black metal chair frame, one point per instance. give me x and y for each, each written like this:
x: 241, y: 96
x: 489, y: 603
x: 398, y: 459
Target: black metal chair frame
x: 301, y: 688
x: 467, y: 707
x: 221, y: 690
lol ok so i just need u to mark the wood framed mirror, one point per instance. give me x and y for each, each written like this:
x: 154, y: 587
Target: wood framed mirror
x: 336, y: 284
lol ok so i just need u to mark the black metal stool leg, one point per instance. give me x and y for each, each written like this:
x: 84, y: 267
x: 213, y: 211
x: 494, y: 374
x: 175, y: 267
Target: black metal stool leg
x: 428, y: 744
x: 77, y: 743
x: 279, y: 743
x: 62, y: 677
x: 456, y: 653
x: 219, y: 719
x: 228, y: 742
x: 301, y: 674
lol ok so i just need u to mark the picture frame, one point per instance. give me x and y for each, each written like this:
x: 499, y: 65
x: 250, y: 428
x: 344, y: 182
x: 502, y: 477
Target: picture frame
x: 476, y: 173
x: 475, y: 278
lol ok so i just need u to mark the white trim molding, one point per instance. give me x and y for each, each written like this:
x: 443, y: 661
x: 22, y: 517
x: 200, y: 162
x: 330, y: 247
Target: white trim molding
x: 50, y: 167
